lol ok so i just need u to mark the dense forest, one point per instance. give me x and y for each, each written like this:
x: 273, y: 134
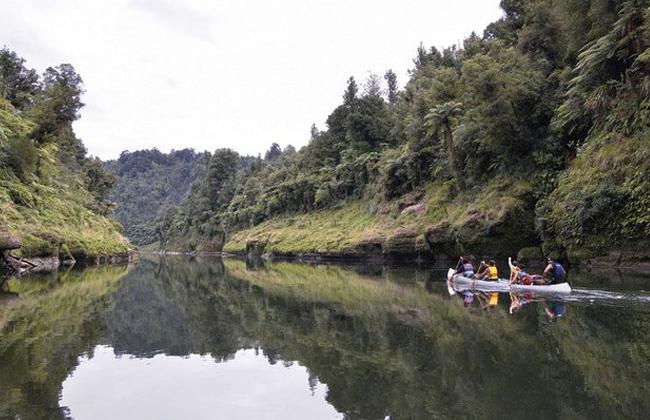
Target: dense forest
x: 147, y: 184
x: 53, y: 197
x: 535, y: 133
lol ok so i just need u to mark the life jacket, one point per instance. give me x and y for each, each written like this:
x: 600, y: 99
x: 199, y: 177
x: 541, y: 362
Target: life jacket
x: 492, y: 273
x: 559, y: 274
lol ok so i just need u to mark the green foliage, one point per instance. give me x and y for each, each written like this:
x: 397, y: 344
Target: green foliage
x: 147, y: 184
x: 52, y: 196
x: 350, y: 93
x: 355, y: 227
x: 441, y: 119
x: 602, y: 198
x: 391, y: 82
x: 220, y: 179
x: 18, y: 84
x: 21, y: 156
x: 524, y: 101
x: 611, y: 86
x: 368, y: 124
x: 99, y: 180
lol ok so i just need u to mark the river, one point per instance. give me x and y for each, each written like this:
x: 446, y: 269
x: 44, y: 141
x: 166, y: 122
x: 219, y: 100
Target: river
x: 183, y: 338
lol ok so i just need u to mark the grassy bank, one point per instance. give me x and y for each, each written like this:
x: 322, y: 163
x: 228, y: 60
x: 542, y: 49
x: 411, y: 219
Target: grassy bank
x: 402, y: 226
x: 51, y: 221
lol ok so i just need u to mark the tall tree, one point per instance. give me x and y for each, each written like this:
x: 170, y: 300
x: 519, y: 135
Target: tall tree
x: 18, y: 84
x: 391, y: 82
x: 220, y: 179
x: 441, y: 119
x: 421, y: 57
x: 369, y: 124
x: 63, y: 88
x: 350, y: 94
x: 273, y: 153
x: 313, y: 132
x: 372, y: 87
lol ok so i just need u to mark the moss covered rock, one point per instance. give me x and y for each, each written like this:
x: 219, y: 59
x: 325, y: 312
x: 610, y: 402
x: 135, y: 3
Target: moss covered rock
x: 8, y: 242
x: 255, y: 247
x: 400, y: 242
x: 370, y: 245
x: 441, y: 238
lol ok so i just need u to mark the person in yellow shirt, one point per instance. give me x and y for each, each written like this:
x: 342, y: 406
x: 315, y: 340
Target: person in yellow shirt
x: 492, y: 272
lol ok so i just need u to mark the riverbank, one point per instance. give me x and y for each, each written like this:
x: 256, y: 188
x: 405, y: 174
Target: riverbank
x: 497, y: 223
x: 423, y: 225
x: 14, y: 266
x: 53, y: 198
x: 48, y: 227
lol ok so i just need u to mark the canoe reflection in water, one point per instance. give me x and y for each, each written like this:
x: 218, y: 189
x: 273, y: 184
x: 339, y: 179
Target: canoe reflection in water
x: 483, y: 299
x: 554, y: 309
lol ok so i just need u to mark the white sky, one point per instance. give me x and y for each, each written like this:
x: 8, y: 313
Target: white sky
x: 210, y: 74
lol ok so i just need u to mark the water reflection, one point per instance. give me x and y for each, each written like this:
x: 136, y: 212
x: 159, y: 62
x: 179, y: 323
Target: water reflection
x: 378, y: 342
x: 192, y: 387
x: 554, y: 309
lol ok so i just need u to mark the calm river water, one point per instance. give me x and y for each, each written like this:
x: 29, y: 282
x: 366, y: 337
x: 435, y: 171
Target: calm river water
x: 181, y: 338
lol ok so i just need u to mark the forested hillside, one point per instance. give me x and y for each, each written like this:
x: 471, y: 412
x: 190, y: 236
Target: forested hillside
x: 535, y: 133
x: 147, y: 184
x: 53, y: 197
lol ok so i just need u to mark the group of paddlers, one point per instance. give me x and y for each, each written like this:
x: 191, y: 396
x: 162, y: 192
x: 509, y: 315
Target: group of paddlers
x: 554, y: 272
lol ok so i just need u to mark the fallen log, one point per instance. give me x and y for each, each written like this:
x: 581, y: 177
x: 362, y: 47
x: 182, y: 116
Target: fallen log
x: 22, y: 261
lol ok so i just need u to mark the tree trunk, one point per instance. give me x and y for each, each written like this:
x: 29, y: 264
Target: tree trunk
x: 451, y: 158
x: 449, y: 144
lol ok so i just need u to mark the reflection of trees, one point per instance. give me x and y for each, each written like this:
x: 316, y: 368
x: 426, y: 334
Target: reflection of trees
x: 54, y: 321
x: 144, y: 318
x: 381, y: 342
x: 388, y: 347
x: 444, y: 361
x: 628, y: 279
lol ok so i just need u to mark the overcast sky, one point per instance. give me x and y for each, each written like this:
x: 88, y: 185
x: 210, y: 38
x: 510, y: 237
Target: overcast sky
x: 210, y: 74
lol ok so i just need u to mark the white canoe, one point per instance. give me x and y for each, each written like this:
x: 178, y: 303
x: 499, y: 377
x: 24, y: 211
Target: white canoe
x: 459, y: 282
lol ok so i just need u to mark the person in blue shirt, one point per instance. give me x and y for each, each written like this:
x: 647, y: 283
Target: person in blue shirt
x: 554, y: 273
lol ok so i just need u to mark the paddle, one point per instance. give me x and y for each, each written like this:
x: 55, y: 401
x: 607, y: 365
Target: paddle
x: 450, y: 277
